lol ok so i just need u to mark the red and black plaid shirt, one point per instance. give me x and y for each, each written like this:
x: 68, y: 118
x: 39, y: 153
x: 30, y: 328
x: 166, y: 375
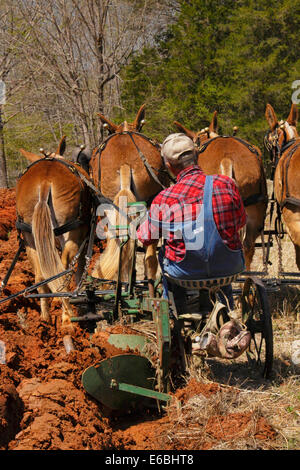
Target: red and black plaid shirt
x: 228, y: 210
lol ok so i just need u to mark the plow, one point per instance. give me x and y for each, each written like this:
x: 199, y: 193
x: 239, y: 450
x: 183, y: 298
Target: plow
x: 159, y: 341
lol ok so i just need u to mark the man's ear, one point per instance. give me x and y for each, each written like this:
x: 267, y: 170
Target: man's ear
x: 171, y: 169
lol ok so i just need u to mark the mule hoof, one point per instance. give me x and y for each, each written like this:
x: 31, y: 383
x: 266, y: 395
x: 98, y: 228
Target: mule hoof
x: 46, y: 318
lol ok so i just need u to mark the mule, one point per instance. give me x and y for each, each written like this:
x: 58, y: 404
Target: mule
x: 283, y: 142
x: 236, y: 158
x: 82, y: 156
x: 53, y: 207
x: 33, y: 157
x: 127, y: 166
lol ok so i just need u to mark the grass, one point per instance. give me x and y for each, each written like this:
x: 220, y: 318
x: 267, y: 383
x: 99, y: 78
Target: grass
x: 243, y: 393
x: 263, y: 414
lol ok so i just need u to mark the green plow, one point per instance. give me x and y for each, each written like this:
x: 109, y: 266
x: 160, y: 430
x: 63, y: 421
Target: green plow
x: 127, y: 380
x: 122, y: 382
x: 130, y: 379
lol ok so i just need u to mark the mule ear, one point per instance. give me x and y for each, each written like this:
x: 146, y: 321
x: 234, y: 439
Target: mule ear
x: 31, y: 157
x: 293, y: 116
x: 137, y: 123
x: 110, y: 125
x: 184, y: 130
x: 213, y: 127
x: 61, y: 146
x: 271, y: 117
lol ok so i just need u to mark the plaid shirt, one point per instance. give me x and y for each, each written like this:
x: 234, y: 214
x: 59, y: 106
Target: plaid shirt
x: 228, y: 210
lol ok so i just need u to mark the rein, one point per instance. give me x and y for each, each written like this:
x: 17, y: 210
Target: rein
x: 146, y: 164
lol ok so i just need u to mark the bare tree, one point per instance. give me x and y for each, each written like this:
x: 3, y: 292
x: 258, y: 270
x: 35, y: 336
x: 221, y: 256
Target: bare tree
x: 79, y: 48
x: 10, y: 82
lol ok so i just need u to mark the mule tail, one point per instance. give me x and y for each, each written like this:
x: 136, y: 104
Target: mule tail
x: 108, y: 263
x: 42, y: 230
x: 226, y: 167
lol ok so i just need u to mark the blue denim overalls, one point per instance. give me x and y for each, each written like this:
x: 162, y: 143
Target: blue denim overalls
x: 207, y: 255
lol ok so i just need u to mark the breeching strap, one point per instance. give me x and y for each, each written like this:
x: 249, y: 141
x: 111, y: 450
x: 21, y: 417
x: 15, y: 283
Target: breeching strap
x: 146, y: 163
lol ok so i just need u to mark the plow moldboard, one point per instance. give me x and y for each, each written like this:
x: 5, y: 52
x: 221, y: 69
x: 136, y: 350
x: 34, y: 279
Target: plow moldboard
x: 128, y: 341
x: 126, y: 368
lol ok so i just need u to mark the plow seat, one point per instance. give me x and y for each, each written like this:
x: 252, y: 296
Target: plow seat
x: 209, y: 289
x: 208, y: 283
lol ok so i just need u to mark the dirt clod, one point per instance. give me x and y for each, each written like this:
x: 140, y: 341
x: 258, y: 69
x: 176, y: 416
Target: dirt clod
x: 43, y: 405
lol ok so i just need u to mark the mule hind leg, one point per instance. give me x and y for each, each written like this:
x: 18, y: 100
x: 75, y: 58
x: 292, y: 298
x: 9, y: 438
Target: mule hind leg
x: 254, y: 227
x: 150, y: 266
x: 72, y: 245
x: 33, y: 258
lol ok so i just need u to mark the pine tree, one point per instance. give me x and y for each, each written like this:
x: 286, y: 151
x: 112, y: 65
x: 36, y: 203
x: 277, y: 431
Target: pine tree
x: 229, y: 56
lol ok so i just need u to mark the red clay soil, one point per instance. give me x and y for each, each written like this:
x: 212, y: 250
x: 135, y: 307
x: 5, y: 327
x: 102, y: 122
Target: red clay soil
x: 8, y: 212
x: 43, y: 405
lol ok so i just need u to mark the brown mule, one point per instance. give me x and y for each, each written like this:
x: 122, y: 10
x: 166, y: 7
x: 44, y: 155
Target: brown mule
x: 50, y: 194
x: 241, y: 161
x: 284, y: 143
x: 127, y: 165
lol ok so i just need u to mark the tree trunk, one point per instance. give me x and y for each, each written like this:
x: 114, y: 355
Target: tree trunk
x: 3, y: 168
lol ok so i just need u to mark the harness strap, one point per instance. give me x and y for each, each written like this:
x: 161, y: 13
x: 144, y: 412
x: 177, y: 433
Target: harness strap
x: 146, y: 163
x: 103, y: 144
x: 286, y: 146
x: 143, y: 158
x: 254, y: 198
x: 286, y: 163
x: 67, y: 227
x: 290, y: 200
x: 20, y: 225
x: 67, y: 164
x: 246, y: 144
x: 10, y: 270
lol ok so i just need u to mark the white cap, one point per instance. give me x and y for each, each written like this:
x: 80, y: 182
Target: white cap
x: 175, y: 145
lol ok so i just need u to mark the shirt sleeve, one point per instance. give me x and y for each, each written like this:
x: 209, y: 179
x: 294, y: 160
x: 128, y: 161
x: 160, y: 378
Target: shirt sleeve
x: 148, y: 233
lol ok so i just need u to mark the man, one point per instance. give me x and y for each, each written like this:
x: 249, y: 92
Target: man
x: 199, y: 218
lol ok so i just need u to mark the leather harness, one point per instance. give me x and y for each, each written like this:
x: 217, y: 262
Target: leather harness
x: 277, y: 153
x: 254, y: 198
x: 285, y: 164
x: 148, y: 167
x: 68, y: 226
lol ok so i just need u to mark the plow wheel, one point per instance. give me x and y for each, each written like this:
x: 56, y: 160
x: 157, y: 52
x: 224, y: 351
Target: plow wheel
x: 257, y: 318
